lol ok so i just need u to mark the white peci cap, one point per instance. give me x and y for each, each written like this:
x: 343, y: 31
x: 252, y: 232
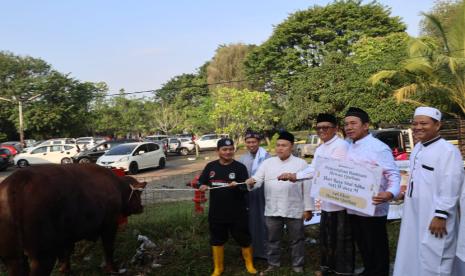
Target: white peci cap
x: 428, y: 111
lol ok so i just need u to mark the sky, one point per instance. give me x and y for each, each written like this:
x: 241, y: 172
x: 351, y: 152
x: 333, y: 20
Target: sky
x: 139, y: 45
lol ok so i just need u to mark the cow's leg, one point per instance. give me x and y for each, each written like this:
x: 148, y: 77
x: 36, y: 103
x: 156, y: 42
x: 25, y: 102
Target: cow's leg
x: 17, y: 266
x: 108, y: 242
x: 65, y: 260
x: 42, y: 265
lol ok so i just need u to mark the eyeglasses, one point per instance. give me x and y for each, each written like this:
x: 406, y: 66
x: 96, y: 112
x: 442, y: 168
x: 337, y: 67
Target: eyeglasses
x: 324, y: 128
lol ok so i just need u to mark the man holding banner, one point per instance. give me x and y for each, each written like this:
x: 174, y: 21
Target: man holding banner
x: 336, y: 245
x: 370, y: 232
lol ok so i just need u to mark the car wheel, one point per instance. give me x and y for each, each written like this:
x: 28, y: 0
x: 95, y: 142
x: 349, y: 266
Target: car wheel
x: 162, y: 163
x: 22, y: 163
x: 84, y: 160
x: 133, y: 168
x: 183, y: 151
x: 66, y: 160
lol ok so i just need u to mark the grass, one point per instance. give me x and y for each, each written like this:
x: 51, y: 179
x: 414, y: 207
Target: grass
x: 182, y: 246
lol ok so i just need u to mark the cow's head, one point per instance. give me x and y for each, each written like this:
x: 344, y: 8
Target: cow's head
x: 132, y: 198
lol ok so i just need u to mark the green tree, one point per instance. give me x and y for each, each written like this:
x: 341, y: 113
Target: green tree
x: 301, y: 41
x: 121, y: 116
x: 342, y: 82
x: 228, y: 65
x: 444, y: 11
x: 437, y: 72
x: 236, y: 110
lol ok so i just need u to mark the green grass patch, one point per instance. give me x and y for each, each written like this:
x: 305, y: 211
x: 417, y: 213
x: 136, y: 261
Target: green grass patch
x: 182, y: 246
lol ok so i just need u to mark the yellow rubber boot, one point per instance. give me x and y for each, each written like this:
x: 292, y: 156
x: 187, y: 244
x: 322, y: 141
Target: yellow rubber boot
x: 218, y: 260
x: 248, y: 258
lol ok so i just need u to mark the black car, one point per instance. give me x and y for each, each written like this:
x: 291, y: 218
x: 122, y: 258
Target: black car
x: 4, y: 163
x: 91, y: 155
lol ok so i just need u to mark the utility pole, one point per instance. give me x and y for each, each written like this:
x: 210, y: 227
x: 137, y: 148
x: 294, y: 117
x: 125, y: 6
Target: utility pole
x: 20, y: 102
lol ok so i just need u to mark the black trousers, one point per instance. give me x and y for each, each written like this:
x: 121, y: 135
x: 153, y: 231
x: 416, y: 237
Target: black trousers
x: 336, y: 243
x: 371, y: 237
x: 239, y: 230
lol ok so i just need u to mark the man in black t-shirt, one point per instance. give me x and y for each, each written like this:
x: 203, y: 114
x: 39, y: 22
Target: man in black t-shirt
x: 228, y: 208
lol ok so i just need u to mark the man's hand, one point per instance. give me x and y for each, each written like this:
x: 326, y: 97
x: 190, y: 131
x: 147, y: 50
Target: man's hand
x: 307, y: 215
x: 438, y: 227
x: 203, y: 188
x: 250, y: 182
x: 382, y: 197
x: 232, y: 184
x: 288, y: 177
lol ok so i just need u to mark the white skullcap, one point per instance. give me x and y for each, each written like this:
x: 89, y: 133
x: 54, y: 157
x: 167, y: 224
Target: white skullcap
x: 428, y: 111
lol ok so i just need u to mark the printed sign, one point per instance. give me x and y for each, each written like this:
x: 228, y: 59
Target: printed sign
x: 347, y: 184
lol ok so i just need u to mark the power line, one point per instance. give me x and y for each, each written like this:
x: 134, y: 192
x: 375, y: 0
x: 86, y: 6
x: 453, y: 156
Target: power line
x: 247, y: 80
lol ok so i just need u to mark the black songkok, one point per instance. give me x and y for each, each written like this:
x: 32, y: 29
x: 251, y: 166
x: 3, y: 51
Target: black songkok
x: 284, y: 135
x: 358, y: 112
x: 224, y: 142
x: 322, y: 117
x: 252, y: 134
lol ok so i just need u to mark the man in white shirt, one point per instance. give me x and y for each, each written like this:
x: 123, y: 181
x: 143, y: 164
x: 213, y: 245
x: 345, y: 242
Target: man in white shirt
x: 286, y: 203
x: 336, y: 244
x: 428, y: 233
x: 370, y: 232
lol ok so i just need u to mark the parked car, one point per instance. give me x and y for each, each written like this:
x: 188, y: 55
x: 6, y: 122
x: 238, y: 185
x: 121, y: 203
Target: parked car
x: 86, y: 143
x: 16, y: 144
x: 308, y: 147
x: 13, y: 150
x: 30, y: 142
x: 153, y: 138
x: 6, y: 153
x: 58, y: 154
x: 400, y: 141
x: 181, y: 146
x: 91, y: 155
x: 132, y: 157
x: 58, y: 141
x: 4, y: 163
x: 208, y: 141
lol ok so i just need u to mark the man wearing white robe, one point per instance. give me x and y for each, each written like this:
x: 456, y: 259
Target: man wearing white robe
x: 428, y: 233
x: 286, y: 203
x: 336, y: 245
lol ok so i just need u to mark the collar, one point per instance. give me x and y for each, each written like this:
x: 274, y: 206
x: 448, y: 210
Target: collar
x: 287, y: 160
x: 331, y: 140
x: 425, y: 144
x: 363, y: 140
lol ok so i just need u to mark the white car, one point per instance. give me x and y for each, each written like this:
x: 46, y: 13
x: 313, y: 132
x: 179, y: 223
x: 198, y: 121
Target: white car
x: 209, y: 141
x: 181, y: 146
x: 134, y: 156
x: 45, y: 154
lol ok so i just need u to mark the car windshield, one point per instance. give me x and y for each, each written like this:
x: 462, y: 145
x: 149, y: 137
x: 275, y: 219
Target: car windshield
x: 121, y: 150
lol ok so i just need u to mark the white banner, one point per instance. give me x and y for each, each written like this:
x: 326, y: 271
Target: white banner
x: 347, y: 184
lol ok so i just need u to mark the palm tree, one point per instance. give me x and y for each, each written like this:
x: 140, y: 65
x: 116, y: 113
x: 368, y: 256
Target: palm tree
x: 432, y: 67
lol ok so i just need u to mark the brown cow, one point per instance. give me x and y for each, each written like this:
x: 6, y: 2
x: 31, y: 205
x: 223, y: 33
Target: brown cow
x: 45, y: 209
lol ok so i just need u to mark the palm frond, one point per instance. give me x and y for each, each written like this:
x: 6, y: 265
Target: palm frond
x: 404, y: 93
x: 418, y: 48
x: 420, y: 65
x: 456, y: 32
x: 437, y: 24
x: 382, y: 75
